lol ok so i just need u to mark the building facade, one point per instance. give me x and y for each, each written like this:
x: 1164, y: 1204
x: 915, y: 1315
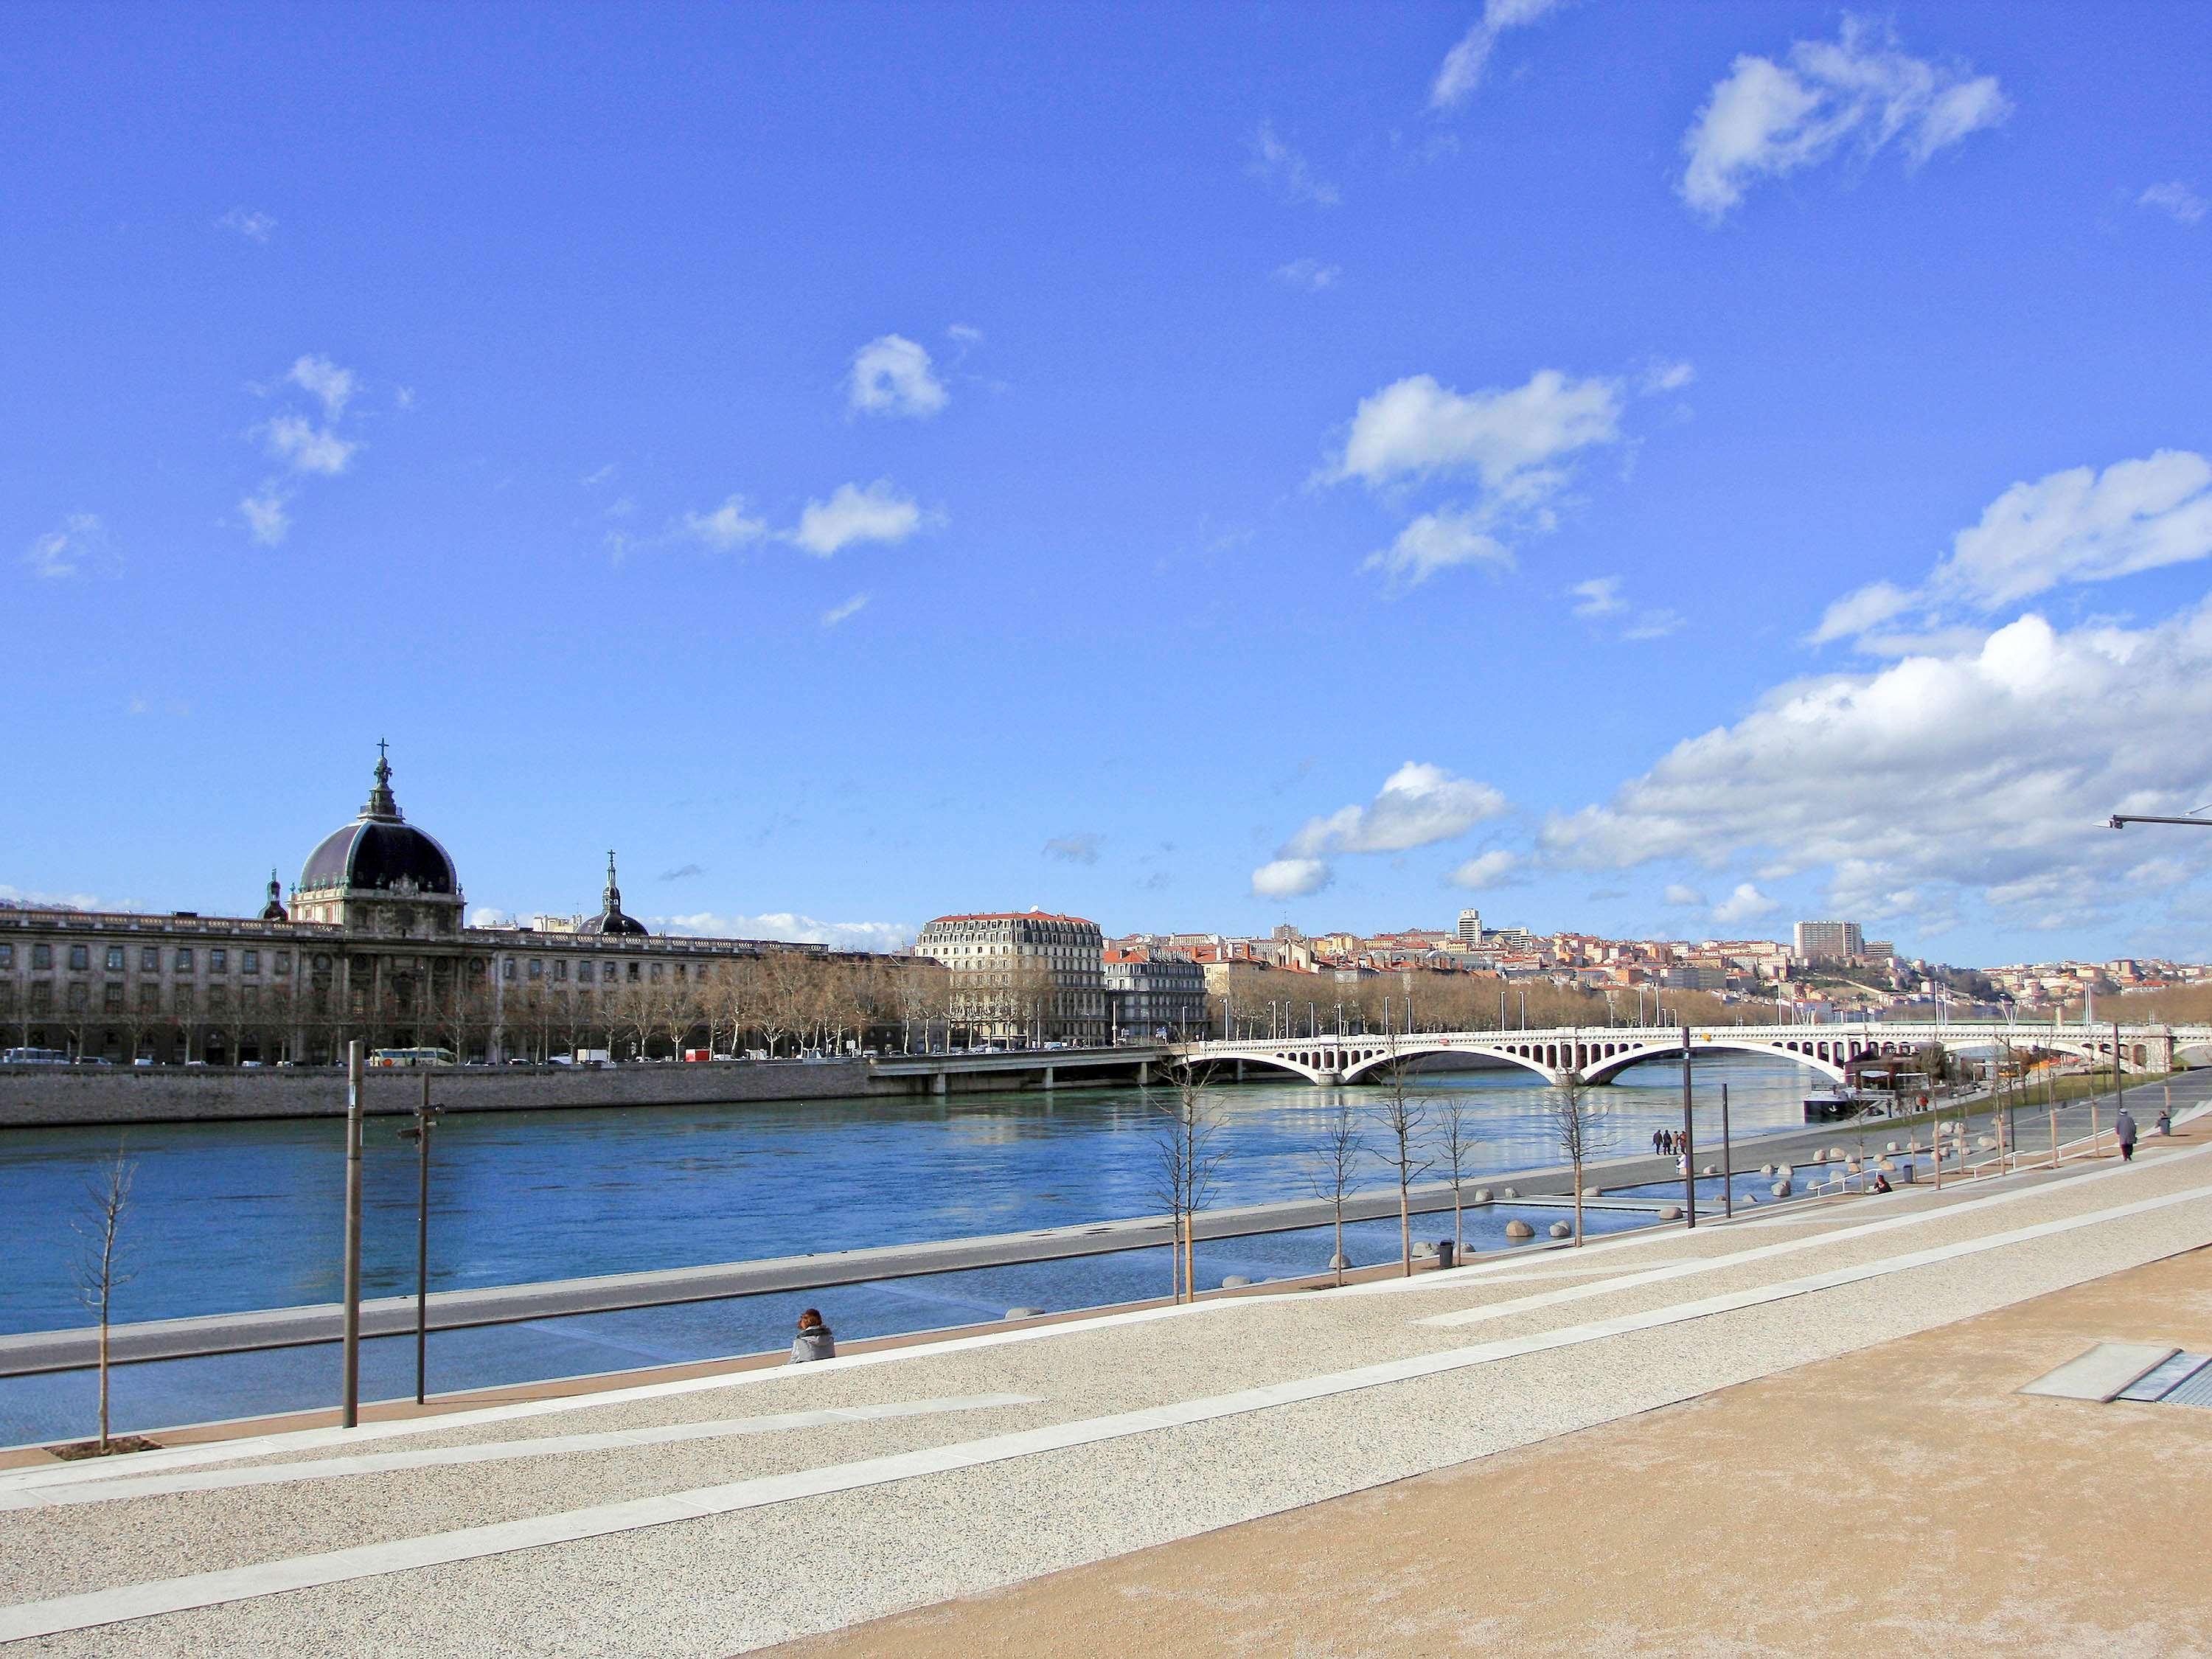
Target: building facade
x: 373, y: 946
x: 1152, y: 993
x: 1022, y: 976
x: 1829, y: 941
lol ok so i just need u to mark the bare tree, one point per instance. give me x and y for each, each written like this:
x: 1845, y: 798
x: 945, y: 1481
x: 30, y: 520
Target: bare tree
x: 1456, y: 1146
x: 1574, y: 1124
x: 1188, y: 1164
x: 100, y: 1269
x: 1401, y: 1116
x: 1330, y: 1167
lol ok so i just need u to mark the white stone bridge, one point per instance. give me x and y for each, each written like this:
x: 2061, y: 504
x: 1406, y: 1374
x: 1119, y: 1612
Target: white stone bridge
x: 1597, y: 1055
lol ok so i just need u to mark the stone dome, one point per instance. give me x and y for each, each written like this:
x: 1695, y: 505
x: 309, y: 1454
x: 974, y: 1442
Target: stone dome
x: 611, y: 918
x: 380, y: 851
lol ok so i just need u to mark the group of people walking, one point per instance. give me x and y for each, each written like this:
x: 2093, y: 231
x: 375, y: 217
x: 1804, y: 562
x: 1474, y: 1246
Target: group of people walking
x: 1668, y: 1143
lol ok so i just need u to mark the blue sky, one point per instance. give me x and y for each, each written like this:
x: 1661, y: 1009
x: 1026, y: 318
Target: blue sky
x: 1646, y: 469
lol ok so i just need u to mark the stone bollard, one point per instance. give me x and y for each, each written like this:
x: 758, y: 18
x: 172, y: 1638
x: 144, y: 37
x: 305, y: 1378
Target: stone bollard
x: 1885, y: 1166
x: 1562, y: 1230
x: 1340, y: 1264
x: 1235, y: 1282
x: 1482, y: 1194
x: 1851, y: 1166
x: 1593, y: 1192
x: 1024, y: 1313
x: 1423, y: 1249
x: 1711, y: 1169
x: 1751, y: 1198
x: 1892, y: 1147
x: 1987, y: 1143
x: 1512, y: 1192
x: 1781, y: 1189
x: 1766, y: 1169
x: 1516, y: 1229
x: 1835, y: 1153
x: 1672, y: 1213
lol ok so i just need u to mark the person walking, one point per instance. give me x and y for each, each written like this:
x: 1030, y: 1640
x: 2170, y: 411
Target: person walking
x: 2123, y: 1130
x: 814, y: 1341
x: 1658, y: 1139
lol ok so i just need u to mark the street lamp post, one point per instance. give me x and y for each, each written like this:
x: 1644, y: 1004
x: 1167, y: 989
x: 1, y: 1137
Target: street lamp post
x: 426, y: 1116
x: 350, y: 1338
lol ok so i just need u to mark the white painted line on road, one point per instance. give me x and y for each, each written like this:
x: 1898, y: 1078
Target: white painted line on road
x: 142, y: 1600
x: 496, y: 1451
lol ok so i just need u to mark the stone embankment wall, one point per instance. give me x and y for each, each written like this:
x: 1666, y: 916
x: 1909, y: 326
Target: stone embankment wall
x: 50, y: 1095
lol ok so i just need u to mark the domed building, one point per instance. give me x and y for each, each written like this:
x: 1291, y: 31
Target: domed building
x: 379, y: 874
x: 375, y: 945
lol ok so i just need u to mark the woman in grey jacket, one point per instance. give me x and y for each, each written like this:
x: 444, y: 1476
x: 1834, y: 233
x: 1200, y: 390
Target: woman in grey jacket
x: 814, y: 1341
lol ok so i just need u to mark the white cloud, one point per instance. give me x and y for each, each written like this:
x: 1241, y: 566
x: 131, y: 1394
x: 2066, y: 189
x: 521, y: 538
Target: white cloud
x: 487, y: 915
x: 790, y: 927
x: 1461, y: 71
x: 322, y: 379
x: 1309, y: 274
x: 1745, y: 904
x: 2078, y: 525
x: 1437, y: 541
x: 1080, y: 848
x: 1984, y: 771
x: 1652, y: 625
x: 725, y: 528
x: 844, y: 611
x: 877, y: 513
x: 267, y: 519
x: 1291, y: 878
x: 64, y: 551
x: 892, y: 375
x: 1682, y: 893
x: 2083, y: 525
x: 1765, y: 120
x: 1418, y: 806
x: 254, y: 227
x: 966, y: 333
x: 1598, y: 597
x: 1660, y: 377
x: 1485, y: 869
x: 308, y: 447
x: 2175, y: 199
x: 603, y: 475
x: 1855, y: 612
x: 1284, y: 169
x: 1508, y: 437
x: 1515, y: 443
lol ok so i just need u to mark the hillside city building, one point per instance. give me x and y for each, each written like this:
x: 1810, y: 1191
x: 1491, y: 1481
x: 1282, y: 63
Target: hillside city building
x: 373, y: 946
x: 1829, y: 941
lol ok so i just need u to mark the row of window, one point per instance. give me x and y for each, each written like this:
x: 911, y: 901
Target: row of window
x: 538, y: 968
x: 114, y: 956
x: 78, y: 998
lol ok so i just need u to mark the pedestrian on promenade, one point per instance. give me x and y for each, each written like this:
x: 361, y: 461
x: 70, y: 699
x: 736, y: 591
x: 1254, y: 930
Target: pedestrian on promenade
x: 814, y: 1341
x: 1880, y: 1183
x: 1658, y: 1142
x: 2123, y: 1130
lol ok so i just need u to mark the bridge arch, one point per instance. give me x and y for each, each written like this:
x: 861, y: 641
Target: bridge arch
x: 1807, y: 1053
x: 1364, y: 1059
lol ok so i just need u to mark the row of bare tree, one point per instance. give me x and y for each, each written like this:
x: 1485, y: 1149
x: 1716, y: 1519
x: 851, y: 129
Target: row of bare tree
x: 1271, y: 1000
x: 1407, y: 1131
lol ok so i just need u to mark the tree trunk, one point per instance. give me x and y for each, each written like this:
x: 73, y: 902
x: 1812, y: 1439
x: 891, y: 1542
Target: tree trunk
x: 1579, y: 1202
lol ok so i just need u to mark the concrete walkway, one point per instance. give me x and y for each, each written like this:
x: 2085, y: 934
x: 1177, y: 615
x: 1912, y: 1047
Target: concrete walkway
x: 727, y: 1512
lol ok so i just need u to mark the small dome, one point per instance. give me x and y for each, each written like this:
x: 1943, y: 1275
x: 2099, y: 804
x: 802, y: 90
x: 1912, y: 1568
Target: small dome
x: 380, y: 850
x: 610, y: 918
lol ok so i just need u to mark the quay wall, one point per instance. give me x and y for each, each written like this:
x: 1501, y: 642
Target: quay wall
x: 44, y: 1097
x: 52, y: 1095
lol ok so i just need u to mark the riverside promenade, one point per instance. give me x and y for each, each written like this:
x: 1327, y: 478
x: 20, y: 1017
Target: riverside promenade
x: 725, y: 1512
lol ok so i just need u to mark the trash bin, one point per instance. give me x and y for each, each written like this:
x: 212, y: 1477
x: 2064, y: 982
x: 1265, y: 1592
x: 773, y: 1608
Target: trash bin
x: 1445, y: 1249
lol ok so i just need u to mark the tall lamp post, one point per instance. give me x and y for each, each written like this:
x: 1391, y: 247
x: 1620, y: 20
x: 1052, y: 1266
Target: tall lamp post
x: 426, y: 1116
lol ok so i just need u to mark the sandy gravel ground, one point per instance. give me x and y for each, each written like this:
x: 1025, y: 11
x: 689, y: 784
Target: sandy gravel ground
x: 1903, y: 1498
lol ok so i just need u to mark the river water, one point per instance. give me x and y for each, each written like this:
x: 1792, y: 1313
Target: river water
x: 227, y: 1217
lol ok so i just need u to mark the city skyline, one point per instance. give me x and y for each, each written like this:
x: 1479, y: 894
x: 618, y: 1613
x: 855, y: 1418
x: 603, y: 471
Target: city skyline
x: 1648, y: 476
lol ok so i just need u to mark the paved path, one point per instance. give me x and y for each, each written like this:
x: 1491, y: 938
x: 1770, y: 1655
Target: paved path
x: 38, y: 1352
x: 723, y: 1513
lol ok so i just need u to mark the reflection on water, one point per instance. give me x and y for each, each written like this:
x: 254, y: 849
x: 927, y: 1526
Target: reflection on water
x: 232, y: 1216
